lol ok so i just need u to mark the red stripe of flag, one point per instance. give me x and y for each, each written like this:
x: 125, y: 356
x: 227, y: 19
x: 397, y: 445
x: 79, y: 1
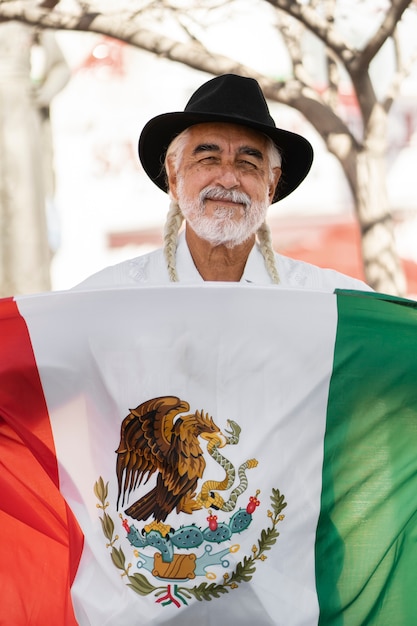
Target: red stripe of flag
x: 40, y: 540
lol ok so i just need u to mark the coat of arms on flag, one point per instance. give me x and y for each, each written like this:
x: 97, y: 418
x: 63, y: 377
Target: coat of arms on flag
x: 158, y: 439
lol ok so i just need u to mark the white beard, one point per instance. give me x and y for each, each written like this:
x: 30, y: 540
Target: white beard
x: 227, y: 226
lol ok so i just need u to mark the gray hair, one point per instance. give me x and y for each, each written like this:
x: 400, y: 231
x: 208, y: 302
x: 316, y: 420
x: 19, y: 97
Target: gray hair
x: 175, y: 217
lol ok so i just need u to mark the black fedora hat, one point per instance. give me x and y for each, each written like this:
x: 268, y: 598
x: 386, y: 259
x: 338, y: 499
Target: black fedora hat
x: 232, y: 99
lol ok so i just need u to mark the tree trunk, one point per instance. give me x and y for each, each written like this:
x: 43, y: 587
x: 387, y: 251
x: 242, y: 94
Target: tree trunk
x: 383, y: 270
x: 24, y: 250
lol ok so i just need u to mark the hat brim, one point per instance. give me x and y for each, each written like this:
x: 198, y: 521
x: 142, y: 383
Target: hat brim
x: 157, y: 134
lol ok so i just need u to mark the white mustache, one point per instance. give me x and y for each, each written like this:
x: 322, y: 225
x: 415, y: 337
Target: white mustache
x: 231, y: 195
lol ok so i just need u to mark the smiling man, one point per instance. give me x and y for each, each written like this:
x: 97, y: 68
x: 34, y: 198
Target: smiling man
x: 223, y: 162
x: 223, y: 181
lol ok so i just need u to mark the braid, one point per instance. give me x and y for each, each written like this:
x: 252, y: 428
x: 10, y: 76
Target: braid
x: 172, y: 227
x: 265, y: 243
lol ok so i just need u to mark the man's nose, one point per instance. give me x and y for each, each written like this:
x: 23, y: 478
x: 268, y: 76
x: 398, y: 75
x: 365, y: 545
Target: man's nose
x: 227, y: 177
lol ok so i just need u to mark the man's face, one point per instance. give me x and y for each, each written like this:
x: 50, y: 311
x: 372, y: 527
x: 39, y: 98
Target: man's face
x: 223, y: 184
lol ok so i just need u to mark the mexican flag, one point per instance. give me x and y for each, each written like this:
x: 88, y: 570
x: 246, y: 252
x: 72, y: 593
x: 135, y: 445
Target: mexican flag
x: 217, y: 454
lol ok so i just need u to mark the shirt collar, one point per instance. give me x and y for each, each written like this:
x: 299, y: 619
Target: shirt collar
x: 255, y: 271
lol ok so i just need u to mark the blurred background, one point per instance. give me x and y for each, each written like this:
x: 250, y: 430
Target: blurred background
x: 101, y: 208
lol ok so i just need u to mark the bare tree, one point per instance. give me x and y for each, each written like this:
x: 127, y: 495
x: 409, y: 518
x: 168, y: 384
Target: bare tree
x: 361, y: 155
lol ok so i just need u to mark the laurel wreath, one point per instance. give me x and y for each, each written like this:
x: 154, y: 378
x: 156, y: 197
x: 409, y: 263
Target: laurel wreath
x: 242, y: 573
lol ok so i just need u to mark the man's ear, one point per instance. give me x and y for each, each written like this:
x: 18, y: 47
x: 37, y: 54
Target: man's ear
x: 171, y: 178
x: 275, y: 180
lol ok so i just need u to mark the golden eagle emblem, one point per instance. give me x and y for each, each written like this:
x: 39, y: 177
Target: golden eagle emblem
x: 154, y: 439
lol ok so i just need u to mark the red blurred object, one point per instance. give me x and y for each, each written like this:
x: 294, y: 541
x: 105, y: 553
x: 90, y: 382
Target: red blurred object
x: 107, y: 53
x: 329, y: 242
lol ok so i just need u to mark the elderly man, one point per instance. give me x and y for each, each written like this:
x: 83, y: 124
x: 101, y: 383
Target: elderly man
x: 222, y: 161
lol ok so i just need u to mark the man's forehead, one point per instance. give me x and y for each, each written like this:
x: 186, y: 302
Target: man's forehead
x: 218, y: 133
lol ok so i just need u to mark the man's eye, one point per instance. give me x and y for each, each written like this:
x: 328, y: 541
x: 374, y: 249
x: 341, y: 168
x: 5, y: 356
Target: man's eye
x: 208, y: 159
x: 248, y: 164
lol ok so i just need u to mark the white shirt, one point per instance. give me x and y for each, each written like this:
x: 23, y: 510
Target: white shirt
x: 151, y: 269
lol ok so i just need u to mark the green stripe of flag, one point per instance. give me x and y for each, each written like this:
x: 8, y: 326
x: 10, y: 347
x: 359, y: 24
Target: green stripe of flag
x: 366, y: 548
